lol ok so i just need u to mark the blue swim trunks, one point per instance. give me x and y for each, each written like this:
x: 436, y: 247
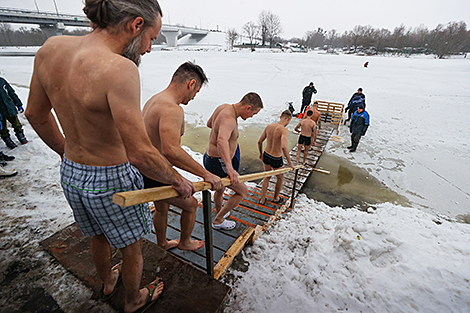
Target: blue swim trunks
x: 217, y: 167
x: 89, y: 191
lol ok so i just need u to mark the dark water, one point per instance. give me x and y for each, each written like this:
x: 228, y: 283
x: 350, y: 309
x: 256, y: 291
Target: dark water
x: 347, y: 185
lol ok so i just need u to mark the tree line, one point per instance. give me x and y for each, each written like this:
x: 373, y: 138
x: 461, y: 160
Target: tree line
x: 449, y: 39
x: 444, y: 40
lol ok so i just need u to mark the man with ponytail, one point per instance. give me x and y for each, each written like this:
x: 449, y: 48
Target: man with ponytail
x: 92, y: 84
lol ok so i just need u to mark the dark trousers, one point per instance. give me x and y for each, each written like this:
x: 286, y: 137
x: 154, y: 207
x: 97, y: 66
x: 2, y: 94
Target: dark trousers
x: 355, y: 140
x: 305, y: 104
x: 350, y: 113
x: 15, y: 122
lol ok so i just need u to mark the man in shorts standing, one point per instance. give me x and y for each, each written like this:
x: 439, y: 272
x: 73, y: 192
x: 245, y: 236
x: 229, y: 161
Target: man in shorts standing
x: 272, y: 156
x: 307, y: 128
x: 164, y: 121
x: 92, y: 84
x: 220, y: 157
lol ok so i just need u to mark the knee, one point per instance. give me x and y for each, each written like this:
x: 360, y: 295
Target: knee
x: 243, y: 190
x: 192, y: 205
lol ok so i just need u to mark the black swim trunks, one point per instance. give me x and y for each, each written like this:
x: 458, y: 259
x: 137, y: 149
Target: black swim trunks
x: 304, y: 140
x: 150, y: 183
x: 217, y: 167
x: 274, y: 162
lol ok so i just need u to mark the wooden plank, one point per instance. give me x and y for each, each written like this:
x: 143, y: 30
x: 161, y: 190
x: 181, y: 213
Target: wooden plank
x: 272, y: 219
x: 187, y: 289
x: 226, y: 261
x: 134, y: 197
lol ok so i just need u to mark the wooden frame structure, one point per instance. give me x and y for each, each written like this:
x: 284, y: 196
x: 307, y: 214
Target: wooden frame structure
x: 332, y: 112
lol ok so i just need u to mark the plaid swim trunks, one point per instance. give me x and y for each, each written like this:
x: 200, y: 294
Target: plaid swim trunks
x: 89, y: 191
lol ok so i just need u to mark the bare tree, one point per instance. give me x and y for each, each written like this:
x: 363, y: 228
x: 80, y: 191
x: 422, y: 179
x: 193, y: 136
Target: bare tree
x: 251, y: 30
x: 332, y: 38
x: 231, y: 36
x: 315, y: 38
x: 274, y: 27
x: 263, y: 26
x: 451, y: 39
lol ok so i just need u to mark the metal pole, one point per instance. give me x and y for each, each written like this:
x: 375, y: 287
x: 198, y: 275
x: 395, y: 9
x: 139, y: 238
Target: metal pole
x: 293, y: 189
x: 206, y: 207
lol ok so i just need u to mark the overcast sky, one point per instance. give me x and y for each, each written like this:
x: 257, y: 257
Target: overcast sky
x: 297, y: 17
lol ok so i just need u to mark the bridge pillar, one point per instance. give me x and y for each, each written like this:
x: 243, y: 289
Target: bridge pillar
x: 50, y: 30
x: 171, y: 36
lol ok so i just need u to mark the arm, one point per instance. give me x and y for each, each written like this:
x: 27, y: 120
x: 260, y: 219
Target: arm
x: 261, y: 139
x: 124, y: 103
x: 366, y: 125
x: 13, y: 95
x: 285, y: 150
x: 297, y: 128
x: 226, y: 129
x: 39, y: 114
x: 314, y: 133
x: 170, y: 136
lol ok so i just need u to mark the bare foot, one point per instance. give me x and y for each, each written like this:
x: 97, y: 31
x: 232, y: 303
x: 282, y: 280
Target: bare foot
x: 192, y: 246
x: 262, y: 201
x: 170, y: 244
x: 109, y: 288
x: 156, y: 286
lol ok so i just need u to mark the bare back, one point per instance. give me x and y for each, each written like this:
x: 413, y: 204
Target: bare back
x: 224, y: 127
x: 274, y: 135
x: 307, y: 127
x: 79, y: 77
x: 163, y: 118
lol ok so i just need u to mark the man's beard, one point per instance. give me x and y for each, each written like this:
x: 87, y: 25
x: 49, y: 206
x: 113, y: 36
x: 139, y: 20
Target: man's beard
x: 133, y: 49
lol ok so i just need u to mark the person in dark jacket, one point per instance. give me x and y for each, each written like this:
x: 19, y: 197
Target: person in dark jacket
x: 358, y: 127
x: 307, y: 96
x: 10, y: 105
x: 357, y: 99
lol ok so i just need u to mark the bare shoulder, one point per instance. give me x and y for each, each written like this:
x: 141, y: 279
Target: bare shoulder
x: 57, y: 47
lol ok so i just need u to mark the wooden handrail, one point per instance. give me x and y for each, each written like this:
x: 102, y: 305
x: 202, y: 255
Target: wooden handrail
x: 134, y: 197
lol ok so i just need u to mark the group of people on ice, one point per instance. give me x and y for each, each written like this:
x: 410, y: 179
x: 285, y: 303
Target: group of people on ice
x: 358, y: 117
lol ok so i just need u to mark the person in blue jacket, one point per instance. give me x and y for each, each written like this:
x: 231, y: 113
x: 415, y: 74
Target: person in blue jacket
x: 357, y: 99
x: 358, y: 127
x: 10, y: 105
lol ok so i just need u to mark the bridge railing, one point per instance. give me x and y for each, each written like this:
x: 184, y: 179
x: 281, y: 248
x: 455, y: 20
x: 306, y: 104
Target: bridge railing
x: 129, y: 198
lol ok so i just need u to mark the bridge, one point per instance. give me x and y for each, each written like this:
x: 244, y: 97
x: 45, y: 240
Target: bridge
x: 53, y: 24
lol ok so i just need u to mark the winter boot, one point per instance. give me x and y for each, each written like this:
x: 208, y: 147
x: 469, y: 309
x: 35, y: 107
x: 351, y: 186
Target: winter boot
x: 6, y: 173
x: 4, y: 157
x: 10, y: 144
x: 21, y: 138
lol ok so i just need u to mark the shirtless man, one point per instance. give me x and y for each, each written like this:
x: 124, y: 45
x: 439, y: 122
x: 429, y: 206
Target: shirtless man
x: 316, y: 116
x: 307, y: 129
x: 92, y: 84
x: 276, y: 135
x: 164, y: 121
x: 220, y: 158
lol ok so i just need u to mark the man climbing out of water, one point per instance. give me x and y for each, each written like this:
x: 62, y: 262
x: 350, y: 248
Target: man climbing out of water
x: 164, y: 121
x: 276, y: 136
x: 357, y: 99
x: 92, y: 84
x: 220, y: 157
x: 316, y: 116
x: 358, y: 127
x: 308, y: 131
